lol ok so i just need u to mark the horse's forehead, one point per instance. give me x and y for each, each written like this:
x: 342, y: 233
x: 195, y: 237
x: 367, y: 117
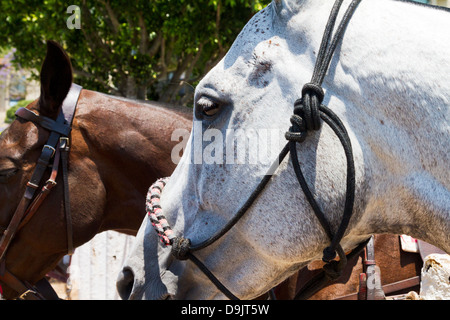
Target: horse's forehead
x: 257, y: 30
x: 19, y: 137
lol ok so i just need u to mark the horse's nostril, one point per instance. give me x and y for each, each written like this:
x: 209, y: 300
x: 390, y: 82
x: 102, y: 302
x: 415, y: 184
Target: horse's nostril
x: 124, y: 283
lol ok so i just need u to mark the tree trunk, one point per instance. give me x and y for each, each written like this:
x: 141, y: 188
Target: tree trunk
x: 141, y: 92
x: 170, y: 92
x: 131, y: 88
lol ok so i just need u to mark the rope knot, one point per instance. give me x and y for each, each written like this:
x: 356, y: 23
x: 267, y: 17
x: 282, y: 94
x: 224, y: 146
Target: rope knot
x: 332, y: 270
x: 180, y: 248
x: 297, y: 132
x: 313, y: 89
x: 328, y: 254
x: 308, y: 106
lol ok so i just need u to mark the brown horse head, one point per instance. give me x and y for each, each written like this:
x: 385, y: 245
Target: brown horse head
x: 118, y: 148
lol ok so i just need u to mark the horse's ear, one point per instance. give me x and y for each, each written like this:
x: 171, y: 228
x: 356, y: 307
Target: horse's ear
x: 56, y: 79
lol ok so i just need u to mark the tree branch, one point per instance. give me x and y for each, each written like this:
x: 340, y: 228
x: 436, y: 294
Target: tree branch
x: 174, y: 84
x: 157, y: 42
x: 112, y: 16
x: 85, y: 74
x: 218, y: 13
x: 143, y: 45
x: 92, y: 38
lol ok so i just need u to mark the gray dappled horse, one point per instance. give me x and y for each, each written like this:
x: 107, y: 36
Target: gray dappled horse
x: 388, y: 84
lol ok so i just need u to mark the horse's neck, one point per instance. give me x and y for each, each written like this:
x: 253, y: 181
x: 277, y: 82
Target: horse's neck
x: 390, y: 77
x: 403, y: 116
x: 129, y: 145
x: 129, y: 134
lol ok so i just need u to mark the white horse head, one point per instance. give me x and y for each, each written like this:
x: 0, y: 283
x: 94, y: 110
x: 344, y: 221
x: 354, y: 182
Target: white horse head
x: 387, y: 82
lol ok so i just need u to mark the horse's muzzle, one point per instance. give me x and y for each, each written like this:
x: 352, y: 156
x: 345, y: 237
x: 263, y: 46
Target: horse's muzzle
x: 130, y: 289
x: 124, y: 284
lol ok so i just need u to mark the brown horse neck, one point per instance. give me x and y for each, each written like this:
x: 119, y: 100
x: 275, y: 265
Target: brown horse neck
x: 127, y: 146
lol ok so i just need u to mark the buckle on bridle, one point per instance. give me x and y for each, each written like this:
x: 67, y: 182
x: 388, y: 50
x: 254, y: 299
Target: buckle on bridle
x: 49, y: 185
x: 23, y: 295
x: 51, y: 148
x: 64, y: 143
x: 51, y: 182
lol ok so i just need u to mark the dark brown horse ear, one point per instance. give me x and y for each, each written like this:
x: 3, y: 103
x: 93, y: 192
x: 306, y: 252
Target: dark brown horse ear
x: 56, y: 79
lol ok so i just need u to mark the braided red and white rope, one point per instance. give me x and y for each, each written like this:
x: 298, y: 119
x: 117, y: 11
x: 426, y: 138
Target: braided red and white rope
x: 155, y: 212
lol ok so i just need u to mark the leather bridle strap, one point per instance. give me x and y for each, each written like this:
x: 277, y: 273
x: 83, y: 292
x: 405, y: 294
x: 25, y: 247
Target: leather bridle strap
x: 25, y: 289
x: 57, y: 126
x: 57, y: 147
x: 48, y: 151
x: 65, y: 147
x: 45, y: 191
x: 68, y: 109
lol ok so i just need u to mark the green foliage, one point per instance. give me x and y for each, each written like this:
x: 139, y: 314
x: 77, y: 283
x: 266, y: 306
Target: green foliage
x: 125, y: 48
x: 11, y: 111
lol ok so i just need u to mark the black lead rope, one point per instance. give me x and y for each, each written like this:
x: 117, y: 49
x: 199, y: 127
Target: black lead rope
x: 308, y: 112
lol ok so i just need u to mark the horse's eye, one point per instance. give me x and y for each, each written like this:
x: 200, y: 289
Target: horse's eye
x: 6, y: 174
x: 207, y: 107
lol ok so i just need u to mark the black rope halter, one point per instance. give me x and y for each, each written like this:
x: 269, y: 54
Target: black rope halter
x: 308, y: 112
